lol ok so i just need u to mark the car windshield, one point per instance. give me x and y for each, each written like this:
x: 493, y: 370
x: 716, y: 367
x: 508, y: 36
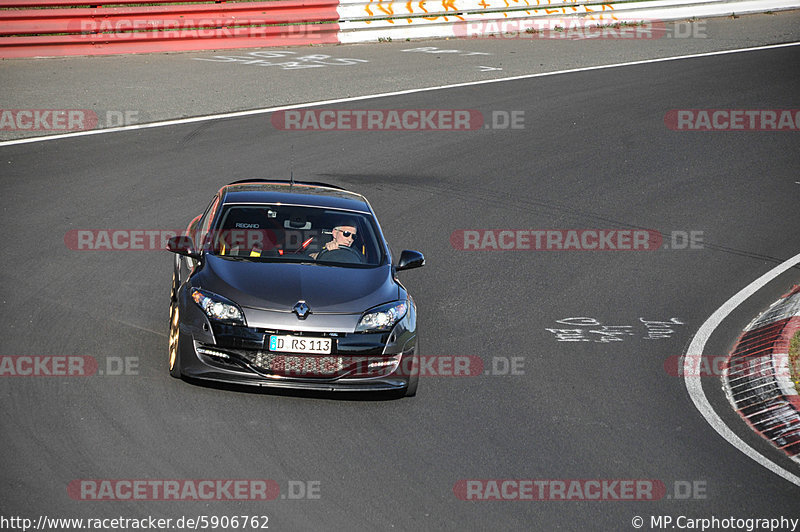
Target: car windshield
x: 288, y: 233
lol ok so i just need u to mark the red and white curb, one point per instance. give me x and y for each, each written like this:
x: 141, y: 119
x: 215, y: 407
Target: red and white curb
x: 757, y: 380
x: 34, y: 32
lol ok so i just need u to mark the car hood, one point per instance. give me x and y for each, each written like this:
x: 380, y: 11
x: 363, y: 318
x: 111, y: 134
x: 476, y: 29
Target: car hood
x: 278, y: 286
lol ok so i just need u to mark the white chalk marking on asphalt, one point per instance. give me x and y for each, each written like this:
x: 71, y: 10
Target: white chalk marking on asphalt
x: 252, y: 112
x: 695, y: 387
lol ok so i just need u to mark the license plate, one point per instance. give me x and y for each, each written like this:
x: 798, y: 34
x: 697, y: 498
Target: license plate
x: 300, y: 344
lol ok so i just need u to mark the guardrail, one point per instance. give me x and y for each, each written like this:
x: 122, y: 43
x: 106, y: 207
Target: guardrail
x: 369, y: 21
x: 30, y: 28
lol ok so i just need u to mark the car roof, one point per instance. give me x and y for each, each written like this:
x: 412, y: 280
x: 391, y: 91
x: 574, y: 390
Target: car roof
x: 293, y: 193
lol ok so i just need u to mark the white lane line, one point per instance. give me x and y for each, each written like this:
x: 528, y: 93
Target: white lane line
x: 695, y: 388
x: 238, y: 114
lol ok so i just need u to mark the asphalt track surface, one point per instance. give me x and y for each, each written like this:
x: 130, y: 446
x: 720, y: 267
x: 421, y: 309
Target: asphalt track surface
x: 155, y: 87
x: 594, y: 153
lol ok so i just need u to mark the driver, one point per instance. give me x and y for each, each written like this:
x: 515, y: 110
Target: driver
x: 343, y: 235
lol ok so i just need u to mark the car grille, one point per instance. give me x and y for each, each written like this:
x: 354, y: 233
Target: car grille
x: 300, y: 365
x: 293, y: 365
x: 305, y: 366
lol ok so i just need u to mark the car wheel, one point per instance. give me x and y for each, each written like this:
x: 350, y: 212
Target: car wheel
x: 173, y: 295
x: 174, y: 340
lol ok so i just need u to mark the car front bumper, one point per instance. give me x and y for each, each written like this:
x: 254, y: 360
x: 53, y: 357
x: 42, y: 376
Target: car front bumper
x: 359, y: 362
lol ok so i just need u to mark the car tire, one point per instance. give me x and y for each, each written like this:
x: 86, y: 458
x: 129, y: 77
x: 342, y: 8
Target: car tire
x: 174, y: 360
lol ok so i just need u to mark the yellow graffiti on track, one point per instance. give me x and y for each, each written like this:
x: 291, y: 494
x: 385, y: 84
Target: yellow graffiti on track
x: 384, y: 9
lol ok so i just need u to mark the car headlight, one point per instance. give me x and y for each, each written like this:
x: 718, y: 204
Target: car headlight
x: 382, y: 318
x: 218, y: 307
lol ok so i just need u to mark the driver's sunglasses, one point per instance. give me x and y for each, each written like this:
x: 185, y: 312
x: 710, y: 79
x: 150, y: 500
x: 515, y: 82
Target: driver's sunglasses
x: 347, y: 233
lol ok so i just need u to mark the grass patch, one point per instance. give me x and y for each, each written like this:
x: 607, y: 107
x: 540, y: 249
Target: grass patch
x: 794, y: 360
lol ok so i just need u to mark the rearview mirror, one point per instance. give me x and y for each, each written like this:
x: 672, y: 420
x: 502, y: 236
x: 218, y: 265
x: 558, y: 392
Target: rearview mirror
x: 410, y: 259
x: 182, y: 245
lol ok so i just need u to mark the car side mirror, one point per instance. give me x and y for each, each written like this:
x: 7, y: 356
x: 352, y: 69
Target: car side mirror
x: 182, y: 245
x: 410, y: 259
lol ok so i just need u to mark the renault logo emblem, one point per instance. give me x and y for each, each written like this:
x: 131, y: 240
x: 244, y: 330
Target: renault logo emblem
x: 301, y: 309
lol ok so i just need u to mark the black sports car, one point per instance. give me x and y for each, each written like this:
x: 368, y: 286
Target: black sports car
x: 290, y: 284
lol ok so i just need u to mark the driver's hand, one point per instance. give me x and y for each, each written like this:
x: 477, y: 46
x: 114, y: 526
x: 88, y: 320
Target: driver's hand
x: 330, y: 246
